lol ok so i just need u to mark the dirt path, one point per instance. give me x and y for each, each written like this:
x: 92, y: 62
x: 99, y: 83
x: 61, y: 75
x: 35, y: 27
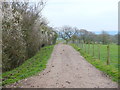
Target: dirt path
x: 67, y: 69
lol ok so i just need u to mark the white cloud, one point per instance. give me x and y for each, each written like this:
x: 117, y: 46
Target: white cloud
x: 90, y: 14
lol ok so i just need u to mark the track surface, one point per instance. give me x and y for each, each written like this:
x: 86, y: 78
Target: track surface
x: 67, y: 69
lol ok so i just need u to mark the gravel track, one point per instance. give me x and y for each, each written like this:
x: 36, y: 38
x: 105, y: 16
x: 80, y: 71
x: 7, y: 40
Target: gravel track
x: 67, y: 69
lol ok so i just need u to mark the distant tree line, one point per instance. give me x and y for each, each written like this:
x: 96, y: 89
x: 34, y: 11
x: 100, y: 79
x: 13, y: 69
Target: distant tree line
x: 24, y: 32
x: 74, y: 34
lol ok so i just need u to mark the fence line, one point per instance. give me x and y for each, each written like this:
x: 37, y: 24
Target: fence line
x: 90, y: 48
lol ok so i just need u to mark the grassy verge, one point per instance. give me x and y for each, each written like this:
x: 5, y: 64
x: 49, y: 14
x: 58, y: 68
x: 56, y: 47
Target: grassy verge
x: 109, y: 70
x: 103, y: 52
x: 30, y: 67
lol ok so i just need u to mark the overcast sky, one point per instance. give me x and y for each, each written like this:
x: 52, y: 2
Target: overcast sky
x: 93, y: 15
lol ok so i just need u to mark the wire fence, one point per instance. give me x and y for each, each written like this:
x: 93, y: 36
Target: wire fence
x: 106, y: 53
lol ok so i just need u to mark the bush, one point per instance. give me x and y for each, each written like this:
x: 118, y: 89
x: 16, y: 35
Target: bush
x: 24, y: 32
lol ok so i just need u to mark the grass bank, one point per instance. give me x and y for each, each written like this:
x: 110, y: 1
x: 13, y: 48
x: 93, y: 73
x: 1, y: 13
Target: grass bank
x: 30, y: 67
x: 103, y: 52
x: 108, y: 69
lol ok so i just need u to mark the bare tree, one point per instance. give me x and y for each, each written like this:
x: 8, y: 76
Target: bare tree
x: 66, y: 32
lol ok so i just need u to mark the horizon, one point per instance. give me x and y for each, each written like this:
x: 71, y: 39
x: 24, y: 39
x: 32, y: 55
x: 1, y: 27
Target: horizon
x: 109, y: 32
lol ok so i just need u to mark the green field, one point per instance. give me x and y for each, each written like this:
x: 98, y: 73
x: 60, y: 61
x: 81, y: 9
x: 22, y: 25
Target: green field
x: 30, y: 67
x: 103, y: 52
x: 111, y: 70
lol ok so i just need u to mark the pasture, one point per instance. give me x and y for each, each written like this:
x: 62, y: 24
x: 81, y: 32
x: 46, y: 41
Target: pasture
x: 99, y: 49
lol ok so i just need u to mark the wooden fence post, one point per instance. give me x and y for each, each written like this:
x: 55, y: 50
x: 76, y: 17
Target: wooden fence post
x: 82, y: 44
x: 78, y: 43
x: 88, y: 47
x: 99, y: 51
x: 85, y: 47
x: 93, y: 49
x: 108, y: 55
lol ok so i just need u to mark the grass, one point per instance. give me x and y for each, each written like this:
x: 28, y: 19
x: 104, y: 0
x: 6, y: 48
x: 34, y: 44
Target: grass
x: 103, y: 53
x: 110, y: 70
x: 30, y: 67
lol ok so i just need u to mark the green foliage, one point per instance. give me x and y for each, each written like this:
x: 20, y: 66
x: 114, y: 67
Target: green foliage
x: 108, y: 69
x: 22, y: 32
x: 30, y: 67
